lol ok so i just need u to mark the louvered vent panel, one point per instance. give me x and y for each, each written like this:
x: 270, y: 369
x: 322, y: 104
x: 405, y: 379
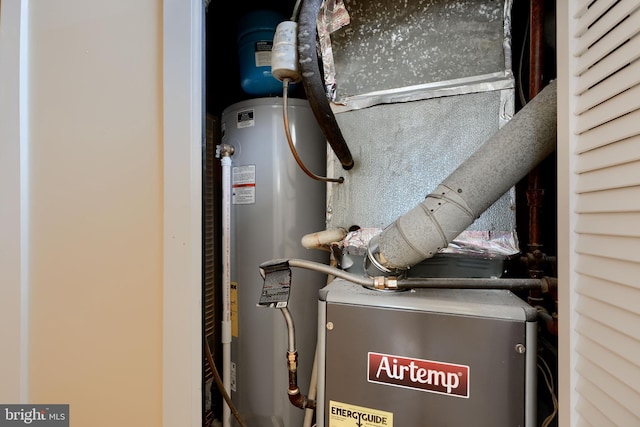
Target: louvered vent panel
x: 606, y: 106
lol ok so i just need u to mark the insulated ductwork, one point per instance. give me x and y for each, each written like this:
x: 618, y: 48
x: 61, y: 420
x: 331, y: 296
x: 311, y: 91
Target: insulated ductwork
x: 313, y: 85
x: 527, y: 139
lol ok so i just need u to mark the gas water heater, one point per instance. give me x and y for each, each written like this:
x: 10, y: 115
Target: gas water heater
x: 273, y: 205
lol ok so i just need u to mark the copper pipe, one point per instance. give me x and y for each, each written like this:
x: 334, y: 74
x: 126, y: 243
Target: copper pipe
x: 535, y: 194
x: 285, y: 107
x: 535, y: 201
x: 296, y: 398
x: 550, y: 321
x: 536, y: 47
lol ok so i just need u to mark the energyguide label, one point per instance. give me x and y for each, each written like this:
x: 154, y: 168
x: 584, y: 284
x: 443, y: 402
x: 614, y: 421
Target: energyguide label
x: 345, y: 415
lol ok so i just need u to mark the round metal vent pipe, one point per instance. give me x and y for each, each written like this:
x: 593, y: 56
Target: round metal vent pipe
x: 527, y: 139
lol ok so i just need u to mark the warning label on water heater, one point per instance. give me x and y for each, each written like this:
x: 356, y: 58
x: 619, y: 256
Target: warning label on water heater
x: 243, y: 183
x: 343, y: 415
x: 245, y: 119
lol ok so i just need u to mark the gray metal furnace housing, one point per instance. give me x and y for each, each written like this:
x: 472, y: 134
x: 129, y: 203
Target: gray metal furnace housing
x: 436, y: 357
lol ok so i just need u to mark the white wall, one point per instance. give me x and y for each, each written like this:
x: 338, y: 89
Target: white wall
x: 96, y: 231
x: 13, y: 275
x: 100, y: 210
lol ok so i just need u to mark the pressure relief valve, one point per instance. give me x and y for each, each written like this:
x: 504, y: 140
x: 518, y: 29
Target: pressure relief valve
x: 284, y: 54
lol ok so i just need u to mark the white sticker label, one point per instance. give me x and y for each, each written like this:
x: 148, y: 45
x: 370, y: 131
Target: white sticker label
x: 233, y: 376
x: 263, y: 53
x: 245, y: 119
x: 244, y: 185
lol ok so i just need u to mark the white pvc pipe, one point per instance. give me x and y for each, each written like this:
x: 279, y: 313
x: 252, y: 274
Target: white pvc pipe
x: 319, y: 239
x: 226, y: 285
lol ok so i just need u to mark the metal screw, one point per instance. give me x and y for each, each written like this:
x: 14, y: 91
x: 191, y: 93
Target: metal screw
x: 330, y: 326
x: 520, y: 348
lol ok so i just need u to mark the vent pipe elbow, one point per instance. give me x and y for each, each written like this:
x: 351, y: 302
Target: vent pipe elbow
x: 498, y: 164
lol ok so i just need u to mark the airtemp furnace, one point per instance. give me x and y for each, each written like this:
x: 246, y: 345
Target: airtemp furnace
x: 427, y: 357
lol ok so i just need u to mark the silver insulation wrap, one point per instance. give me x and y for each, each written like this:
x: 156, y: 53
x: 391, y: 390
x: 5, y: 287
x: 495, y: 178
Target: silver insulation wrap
x: 493, y: 169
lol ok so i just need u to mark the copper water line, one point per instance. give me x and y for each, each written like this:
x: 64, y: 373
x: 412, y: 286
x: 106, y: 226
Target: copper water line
x: 535, y: 193
x: 536, y: 47
x: 285, y: 115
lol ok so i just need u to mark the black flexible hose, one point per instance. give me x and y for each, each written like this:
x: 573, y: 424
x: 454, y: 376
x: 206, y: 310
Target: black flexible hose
x: 312, y: 81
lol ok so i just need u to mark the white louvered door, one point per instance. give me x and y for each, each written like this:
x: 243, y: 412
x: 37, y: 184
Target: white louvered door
x: 604, y: 161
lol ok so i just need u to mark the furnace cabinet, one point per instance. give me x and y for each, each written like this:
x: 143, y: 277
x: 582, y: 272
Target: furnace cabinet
x: 427, y: 357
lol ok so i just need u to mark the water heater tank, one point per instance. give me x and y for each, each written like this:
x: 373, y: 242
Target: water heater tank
x: 274, y: 204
